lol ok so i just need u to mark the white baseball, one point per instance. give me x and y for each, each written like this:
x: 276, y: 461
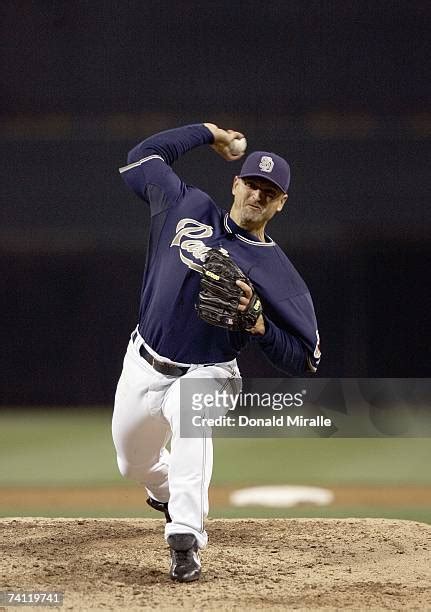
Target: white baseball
x: 238, y: 146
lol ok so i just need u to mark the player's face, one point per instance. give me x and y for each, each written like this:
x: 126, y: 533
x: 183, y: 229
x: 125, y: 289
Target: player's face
x: 256, y: 201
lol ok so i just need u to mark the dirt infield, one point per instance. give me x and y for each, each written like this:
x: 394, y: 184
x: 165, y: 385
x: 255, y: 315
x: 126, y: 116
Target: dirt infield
x: 302, y: 564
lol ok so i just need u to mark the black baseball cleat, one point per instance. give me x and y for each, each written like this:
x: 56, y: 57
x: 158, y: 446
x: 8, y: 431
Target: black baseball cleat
x: 185, y: 562
x: 160, y: 506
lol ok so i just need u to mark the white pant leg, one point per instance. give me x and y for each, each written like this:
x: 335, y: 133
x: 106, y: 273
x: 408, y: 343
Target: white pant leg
x: 191, y: 460
x: 139, y: 429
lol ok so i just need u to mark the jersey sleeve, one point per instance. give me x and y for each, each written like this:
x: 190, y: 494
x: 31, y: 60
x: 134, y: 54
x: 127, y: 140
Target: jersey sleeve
x: 291, y: 340
x: 283, y: 349
x: 148, y: 172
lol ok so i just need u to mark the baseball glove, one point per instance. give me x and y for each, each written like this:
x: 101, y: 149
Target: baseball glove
x: 219, y: 294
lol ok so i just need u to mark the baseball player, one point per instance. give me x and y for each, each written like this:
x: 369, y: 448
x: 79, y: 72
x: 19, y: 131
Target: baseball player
x: 172, y: 343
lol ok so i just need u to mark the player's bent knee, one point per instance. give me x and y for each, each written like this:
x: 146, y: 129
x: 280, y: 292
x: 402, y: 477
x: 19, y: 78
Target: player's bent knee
x: 143, y: 473
x: 134, y: 472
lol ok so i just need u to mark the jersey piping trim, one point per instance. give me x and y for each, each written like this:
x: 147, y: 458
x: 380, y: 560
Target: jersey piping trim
x: 247, y: 240
x: 312, y: 368
x: 226, y: 224
x: 138, y: 163
x: 262, y: 244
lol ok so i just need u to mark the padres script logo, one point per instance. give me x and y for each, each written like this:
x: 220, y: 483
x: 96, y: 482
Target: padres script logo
x: 188, y: 228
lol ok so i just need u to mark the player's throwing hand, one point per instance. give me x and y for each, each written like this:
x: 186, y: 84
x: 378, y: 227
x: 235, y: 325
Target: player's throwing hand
x: 222, y: 140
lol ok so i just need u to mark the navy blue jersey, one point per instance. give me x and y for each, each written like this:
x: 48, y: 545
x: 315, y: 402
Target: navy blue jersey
x: 185, y: 224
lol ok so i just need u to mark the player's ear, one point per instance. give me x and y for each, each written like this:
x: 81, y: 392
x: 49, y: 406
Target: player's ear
x: 234, y: 184
x: 282, y: 202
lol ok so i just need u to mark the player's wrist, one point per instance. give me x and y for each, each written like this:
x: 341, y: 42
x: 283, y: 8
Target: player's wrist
x: 213, y: 129
x: 258, y: 329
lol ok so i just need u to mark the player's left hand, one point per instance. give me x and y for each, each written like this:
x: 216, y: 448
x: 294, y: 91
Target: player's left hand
x: 259, y: 327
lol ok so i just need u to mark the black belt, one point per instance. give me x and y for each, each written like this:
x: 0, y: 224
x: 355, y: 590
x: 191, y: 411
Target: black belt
x: 160, y: 366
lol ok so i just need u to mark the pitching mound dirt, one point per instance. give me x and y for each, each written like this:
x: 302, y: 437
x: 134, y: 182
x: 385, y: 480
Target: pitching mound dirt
x: 251, y: 564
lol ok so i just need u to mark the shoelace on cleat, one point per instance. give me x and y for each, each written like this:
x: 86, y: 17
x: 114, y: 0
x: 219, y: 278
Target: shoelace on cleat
x: 183, y: 555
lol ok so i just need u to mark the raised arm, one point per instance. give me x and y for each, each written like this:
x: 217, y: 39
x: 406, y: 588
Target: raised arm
x: 149, y: 162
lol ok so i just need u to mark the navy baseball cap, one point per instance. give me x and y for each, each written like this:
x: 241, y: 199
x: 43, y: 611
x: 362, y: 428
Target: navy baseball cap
x: 269, y: 166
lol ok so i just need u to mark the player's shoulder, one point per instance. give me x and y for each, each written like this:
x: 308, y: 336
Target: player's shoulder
x: 274, y: 267
x: 195, y: 200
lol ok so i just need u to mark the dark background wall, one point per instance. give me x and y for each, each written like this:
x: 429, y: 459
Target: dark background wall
x: 341, y: 89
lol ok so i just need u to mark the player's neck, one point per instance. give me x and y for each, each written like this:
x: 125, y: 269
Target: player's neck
x: 248, y: 226
x: 259, y: 234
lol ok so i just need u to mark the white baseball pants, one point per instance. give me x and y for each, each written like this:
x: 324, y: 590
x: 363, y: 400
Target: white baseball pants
x: 146, y: 416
